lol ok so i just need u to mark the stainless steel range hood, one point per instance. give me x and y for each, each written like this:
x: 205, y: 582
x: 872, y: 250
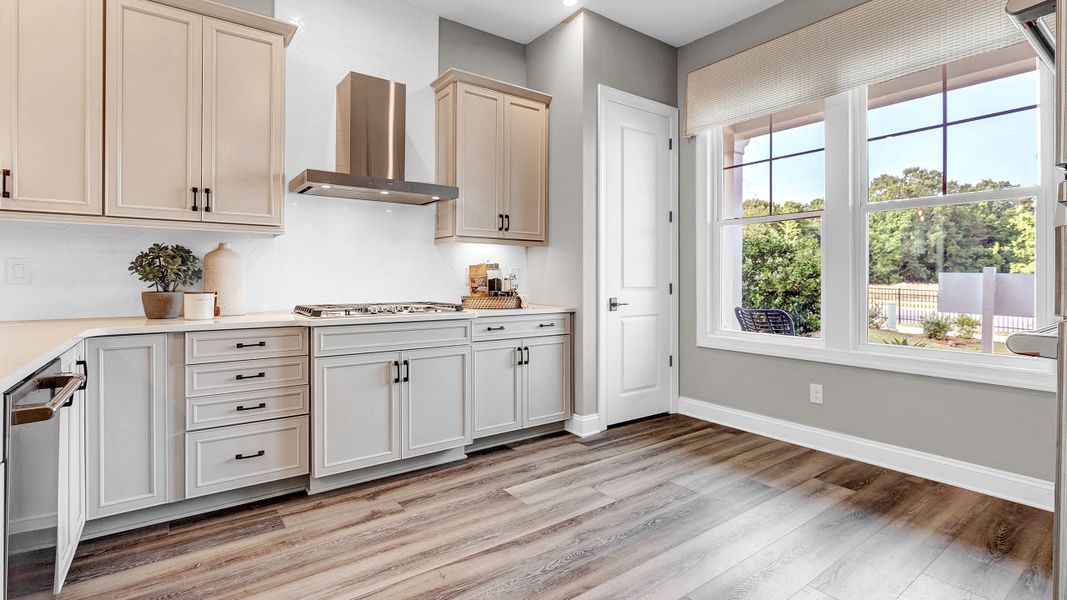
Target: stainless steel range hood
x: 370, y: 148
x: 1027, y: 15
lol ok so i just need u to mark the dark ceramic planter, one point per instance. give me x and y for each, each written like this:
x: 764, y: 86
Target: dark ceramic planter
x: 162, y: 305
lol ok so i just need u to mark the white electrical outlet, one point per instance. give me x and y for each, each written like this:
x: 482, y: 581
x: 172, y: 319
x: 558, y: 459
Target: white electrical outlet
x: 18, y: 271
x: 815, y: 393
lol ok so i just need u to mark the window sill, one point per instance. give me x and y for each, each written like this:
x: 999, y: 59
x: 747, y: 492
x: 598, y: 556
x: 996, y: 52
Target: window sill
x: 1017, y: 372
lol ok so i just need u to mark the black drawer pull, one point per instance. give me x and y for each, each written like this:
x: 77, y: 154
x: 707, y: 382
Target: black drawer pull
x: 4, y: 175
x: 501, y: 328
x: 256, y: 376
x: 519, y: 349
x: 261, y: 405
x: 546, y: 325
x: 256, y: 455
x: 256, y: 345
x: 407, y: 371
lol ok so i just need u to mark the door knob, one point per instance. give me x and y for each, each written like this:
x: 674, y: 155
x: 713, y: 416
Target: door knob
x: 614, y: 304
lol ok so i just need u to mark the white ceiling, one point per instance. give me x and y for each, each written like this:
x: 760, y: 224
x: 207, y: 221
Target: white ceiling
x: 676, y: 22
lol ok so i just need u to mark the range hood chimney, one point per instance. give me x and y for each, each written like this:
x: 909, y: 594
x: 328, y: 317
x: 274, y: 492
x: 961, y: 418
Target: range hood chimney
x: 1027, y: 15
x: 370, y: 148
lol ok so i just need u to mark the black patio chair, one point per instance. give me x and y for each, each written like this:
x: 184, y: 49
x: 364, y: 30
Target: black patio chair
x: 765, y: 320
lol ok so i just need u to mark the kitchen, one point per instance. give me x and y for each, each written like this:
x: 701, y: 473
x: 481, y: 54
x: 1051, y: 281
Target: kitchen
x: 344, y: 174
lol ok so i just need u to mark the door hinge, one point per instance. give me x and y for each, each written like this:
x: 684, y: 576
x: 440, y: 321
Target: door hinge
x: 670, y: 360
x: 670, y: 143
x: 670, y: 288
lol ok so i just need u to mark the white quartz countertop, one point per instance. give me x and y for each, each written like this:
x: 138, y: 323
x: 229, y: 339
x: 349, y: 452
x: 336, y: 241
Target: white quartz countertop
x: 25, y: 346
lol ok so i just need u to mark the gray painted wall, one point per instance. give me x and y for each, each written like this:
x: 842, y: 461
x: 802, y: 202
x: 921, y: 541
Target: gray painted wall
x: 479, y: 52
x: 263, y: 7
x: 569, y: 62
x: 999, y: 427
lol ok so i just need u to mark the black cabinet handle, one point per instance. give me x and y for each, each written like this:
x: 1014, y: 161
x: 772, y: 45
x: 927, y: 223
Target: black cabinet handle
x: 507, y: 222
x: 256, y: 345
x: 527, y: 350
x: 207, y: 199
x: 396, y: 365
x: 500, y: 222
x: 256, y: 455
x: 256, y: 376
x: 407, y: 371
x: 501, y: 328
x: 260, y: 405
x: 196, y: 195
x: 85, y: 371
x: 546, y: 325
x: 520, y: 363
x: 5, y: 174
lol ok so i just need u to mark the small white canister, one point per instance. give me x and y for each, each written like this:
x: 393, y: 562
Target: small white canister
x: 199, y: 306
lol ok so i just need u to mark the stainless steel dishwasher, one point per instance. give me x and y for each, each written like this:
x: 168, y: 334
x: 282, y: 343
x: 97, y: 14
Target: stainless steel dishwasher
x: 43, y: 469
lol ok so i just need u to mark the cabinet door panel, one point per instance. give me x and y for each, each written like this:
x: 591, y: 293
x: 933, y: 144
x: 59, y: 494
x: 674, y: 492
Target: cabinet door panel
x: 479, y: 156
x: 243, y: 124
x: 71, y: 513
x: 153, y: 113
x: 356, y: 411
x: 497, y: 387
x: 51, y: 118
x: 548, y: 380
x: 126, y: 423
x: 525, y: 168
x: 437, y: 400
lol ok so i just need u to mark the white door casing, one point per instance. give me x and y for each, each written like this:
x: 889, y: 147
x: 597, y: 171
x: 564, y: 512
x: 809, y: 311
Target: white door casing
x: 637, y: 266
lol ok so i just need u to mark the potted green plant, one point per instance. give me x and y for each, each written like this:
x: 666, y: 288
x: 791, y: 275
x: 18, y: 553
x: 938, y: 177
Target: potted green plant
x: 165, y: 268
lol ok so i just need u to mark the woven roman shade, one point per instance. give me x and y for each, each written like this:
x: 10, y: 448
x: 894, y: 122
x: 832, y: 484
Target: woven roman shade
x: 872, y: 42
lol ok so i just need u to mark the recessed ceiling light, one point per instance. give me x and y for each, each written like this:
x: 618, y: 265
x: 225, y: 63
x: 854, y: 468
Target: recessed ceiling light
x: 570, y: 2
x: 435, y: 197
x: 384, y: 193
x: 326, y: 187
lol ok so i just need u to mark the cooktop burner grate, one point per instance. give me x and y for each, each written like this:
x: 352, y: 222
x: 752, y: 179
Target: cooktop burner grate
x: 356, y: 310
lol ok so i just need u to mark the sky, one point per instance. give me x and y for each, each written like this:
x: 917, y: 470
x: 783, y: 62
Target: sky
x: 998, y: 148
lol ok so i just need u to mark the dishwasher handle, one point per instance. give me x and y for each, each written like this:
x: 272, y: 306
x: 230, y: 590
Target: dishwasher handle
x: 65, y: 385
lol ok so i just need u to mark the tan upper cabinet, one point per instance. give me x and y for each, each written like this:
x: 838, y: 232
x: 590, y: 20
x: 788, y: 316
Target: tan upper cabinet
x: 243, y: 124
x: 492, y: 143
x: 153, y: 112
x: 51, y: 119
x: 194, y: 117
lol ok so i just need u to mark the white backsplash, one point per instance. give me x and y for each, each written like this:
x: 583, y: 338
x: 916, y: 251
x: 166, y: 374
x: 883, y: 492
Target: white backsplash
x: 333, y: 250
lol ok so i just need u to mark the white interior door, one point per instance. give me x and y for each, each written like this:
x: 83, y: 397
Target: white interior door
x: 635, y: 196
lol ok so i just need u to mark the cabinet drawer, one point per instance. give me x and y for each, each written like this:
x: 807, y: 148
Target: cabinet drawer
x: 500, y: 328
x: 239, y: 376
x: 245, y: 407
x: 355, y: 339
x: 238, y: 456
x: 242, y: 344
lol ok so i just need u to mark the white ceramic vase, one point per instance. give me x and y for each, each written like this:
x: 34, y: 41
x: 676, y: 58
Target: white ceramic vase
x: 224, y: 274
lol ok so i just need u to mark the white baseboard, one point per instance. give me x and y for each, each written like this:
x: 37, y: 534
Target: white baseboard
x: 985, y: 480
x: 583, y: 425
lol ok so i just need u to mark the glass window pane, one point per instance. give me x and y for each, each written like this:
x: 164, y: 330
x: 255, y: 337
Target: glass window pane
x: 905, y: 166
x: 993, y: 153
x: 747, y: 142
x: 798, y: 129
x: 746, y: 191
x: 905, y: 103
x: 778, y: 266
x: 799, y: 183
x: 926, y: 267
x: 992, y: 96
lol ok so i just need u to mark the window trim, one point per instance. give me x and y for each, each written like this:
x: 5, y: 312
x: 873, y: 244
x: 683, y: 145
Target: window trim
x: 844, y: 264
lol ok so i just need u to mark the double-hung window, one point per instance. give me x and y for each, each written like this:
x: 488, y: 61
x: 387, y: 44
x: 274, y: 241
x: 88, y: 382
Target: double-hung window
x: 901, y: 225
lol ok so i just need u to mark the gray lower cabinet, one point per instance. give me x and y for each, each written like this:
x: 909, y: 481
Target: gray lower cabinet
x: 521, y: 383
x: 126, y: 424
x: 356, y: 412
x: 374, y: 408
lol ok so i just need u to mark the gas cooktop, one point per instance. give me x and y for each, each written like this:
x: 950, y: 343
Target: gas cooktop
x: 356, y: 310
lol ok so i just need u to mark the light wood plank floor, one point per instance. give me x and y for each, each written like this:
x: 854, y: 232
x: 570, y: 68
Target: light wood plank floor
x: 668, y: 508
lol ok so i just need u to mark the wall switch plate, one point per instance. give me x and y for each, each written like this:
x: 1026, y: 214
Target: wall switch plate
x: 815, y: 393
x: 18, y: 271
